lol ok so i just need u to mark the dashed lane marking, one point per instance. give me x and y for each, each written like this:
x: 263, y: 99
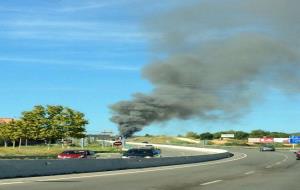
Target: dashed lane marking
x: 278, y: 163
x: 12, y: 183
x: 250, y: 172
x: 211, y: 182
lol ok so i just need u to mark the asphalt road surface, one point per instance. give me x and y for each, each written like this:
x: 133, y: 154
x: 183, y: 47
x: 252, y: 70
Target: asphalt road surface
x: 165, y: 152
x: 169, y: 152
x: 247, y: 170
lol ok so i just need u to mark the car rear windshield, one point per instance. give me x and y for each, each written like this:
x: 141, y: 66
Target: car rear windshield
x: 269, y: 146
x: 140, y: 151
x: 74, y: 152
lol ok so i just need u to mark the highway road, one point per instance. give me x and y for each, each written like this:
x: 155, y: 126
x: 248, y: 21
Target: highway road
x: 247, y: 170
x: 165, y: 152
x: 168, y: 152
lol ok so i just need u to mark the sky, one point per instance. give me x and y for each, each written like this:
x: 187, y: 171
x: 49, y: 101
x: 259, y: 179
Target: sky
x: 88, y: 54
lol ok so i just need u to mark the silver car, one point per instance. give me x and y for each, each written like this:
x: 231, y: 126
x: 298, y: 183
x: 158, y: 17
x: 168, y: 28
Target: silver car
x: 267, y: 147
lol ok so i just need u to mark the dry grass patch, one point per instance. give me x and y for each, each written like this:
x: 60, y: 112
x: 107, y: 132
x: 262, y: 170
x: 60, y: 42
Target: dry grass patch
x: 159, y: 140
x: 51, y: 152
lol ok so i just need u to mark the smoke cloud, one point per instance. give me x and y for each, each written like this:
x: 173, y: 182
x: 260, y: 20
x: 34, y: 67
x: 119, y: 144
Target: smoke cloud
x: 215, y: 58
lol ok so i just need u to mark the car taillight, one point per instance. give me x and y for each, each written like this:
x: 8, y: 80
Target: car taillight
x: 61, y: 157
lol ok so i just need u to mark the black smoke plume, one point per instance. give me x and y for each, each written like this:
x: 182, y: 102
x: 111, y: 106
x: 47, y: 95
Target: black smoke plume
x: 219, y: 57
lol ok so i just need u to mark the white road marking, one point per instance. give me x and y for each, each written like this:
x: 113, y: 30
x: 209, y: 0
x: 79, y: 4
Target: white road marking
x: 12, y: 183
x: 211, y: 182
x: 286, y: 158
x: 250, y: 172
x: 165, y: 168
x: 279, y: 162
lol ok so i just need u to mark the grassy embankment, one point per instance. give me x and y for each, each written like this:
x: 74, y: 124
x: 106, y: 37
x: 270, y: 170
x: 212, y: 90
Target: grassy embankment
x: 234, y: 142
x: 43, y: 151
x: 160, y: 140
x: 51, y: 152
x: 216, y: 142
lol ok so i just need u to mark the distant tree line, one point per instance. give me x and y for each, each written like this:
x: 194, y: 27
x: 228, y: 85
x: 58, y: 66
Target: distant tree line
x: 240, y: 135
x: 44, y: 123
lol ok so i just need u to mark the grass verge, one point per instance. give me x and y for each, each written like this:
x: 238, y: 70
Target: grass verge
x: 53, y: 151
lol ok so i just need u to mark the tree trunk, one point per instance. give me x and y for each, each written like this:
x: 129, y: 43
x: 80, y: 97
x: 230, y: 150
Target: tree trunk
x: 5, y: 143
x: 49, y: 143
x: 20, y: 143
x: 14, y: 143
x: 26, y: 142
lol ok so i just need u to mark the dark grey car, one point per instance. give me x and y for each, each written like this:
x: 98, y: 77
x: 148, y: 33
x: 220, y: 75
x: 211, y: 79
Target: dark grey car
x: 142, y: 153
x: 267, y: 147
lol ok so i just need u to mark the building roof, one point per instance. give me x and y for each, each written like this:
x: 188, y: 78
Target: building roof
x: 5, y: 120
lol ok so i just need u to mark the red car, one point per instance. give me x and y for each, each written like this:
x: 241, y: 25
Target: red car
x: 297, y: 155
x: 76, y: 154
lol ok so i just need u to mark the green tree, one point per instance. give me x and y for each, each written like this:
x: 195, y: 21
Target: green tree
x: 10, y: 132
x: 44, y: 123
x: 74, y: 123
x: 240, y: 135
x: 192, y: 135
x: 217, y: 135
x: 5, y: 133
x: 259, y: 133
x: 279, y: 135
x: 15, y: 131
x: 295, y: 134
x: 206, y: 136
x: 34, y: 124
x: 53, y: 122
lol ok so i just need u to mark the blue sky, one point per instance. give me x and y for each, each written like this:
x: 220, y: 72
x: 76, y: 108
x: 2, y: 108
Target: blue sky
x: 88, y: 55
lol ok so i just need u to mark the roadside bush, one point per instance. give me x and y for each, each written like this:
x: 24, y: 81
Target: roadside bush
x: 210, y: 143
x: 236, y: 143
x: 192, y: 135
x: 206, y: 136
x: 280, y: 145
